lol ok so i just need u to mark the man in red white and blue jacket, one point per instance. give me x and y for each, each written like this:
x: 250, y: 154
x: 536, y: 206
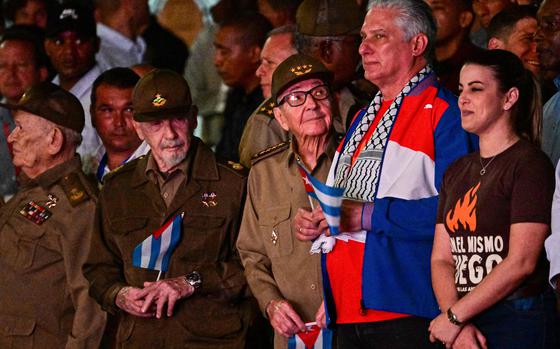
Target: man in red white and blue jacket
x: 391, y: 164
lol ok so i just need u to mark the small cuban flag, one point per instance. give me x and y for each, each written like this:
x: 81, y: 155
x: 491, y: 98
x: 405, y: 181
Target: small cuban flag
x: 330, y: 198
x: 314, y: 338
x: 155, y: 251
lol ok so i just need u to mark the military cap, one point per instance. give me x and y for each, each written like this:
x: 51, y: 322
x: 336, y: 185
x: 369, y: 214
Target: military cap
x: 296, y: 68
x: 162, y: 94
x: 73, y: 17
x: 53, y: 103
x: 329, y: 17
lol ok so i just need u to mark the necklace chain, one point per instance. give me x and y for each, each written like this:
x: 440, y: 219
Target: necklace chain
x: 483, y: 170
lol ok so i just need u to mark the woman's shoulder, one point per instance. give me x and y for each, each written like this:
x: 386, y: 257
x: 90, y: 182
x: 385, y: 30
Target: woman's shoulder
x: 525, y: 152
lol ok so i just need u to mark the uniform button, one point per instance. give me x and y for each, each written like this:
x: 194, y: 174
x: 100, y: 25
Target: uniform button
x: 165, y: 195
x: 313, y: 286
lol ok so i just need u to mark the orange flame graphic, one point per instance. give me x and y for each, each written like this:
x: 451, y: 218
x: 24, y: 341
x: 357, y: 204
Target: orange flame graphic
x: 464, y: 212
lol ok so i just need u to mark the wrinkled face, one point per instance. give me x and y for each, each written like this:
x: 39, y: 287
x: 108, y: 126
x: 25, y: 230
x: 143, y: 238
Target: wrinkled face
x: 311, y: 119
x: 71, y: 55
x: 275, y: 50
x: 522, y: 43
x: 447, y: 15
x: 18, y: 70
x: 548, y: 35
x: 33, y: 13
x: 112, y: 118
x: 485, y: 10
x: 384, y: 50
x: 481, y: 102
x: 234, y: 60
x: 29, y: 142
x: 169, y: 139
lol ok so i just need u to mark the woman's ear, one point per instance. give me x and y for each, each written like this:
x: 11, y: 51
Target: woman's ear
x: 511, y: 98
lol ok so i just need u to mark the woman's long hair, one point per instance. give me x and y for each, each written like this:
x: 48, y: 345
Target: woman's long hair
x: 508, y: 70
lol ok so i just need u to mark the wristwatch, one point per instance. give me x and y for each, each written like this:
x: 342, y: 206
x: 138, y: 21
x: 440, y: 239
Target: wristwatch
x: 194, y: 279
x: 453, y: 318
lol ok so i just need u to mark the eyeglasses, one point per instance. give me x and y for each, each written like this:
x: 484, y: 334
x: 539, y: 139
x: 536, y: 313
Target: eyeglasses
x: 297, y: 98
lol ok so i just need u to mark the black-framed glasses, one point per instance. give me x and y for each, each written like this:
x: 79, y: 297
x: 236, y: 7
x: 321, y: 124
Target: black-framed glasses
x: 297, y: 98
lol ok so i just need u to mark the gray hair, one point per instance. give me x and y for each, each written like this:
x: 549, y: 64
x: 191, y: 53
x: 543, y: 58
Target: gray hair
x: 71, y: 137
x: 414, y: 17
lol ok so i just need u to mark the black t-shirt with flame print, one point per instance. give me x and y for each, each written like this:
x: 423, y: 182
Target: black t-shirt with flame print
x: 478, y: 210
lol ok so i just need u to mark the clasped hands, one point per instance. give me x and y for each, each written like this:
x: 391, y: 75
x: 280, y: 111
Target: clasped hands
x: 152, y: 299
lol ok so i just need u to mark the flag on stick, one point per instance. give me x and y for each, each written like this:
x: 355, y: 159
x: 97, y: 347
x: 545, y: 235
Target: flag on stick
x: 330, y: 198
x: 154, y: 252
x: 314, y: 338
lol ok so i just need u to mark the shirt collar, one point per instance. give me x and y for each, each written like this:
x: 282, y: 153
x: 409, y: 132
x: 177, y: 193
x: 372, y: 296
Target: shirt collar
x: 46, y: 179
x: 84, y: 84
x: 557, y: 82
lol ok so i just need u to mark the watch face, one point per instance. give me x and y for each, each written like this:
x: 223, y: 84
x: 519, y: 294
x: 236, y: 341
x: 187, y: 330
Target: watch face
x: 194, y: 279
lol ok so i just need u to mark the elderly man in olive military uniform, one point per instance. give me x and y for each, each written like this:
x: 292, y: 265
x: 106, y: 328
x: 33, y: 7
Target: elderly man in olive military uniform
x: 46, y: 228
x: 201, y: 300
x: 284, y: 277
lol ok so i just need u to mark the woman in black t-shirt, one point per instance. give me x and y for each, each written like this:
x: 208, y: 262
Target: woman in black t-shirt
x: 489, y: 273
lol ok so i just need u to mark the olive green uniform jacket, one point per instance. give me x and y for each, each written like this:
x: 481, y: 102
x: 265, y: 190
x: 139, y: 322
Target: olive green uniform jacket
x: 277, y: 265
x: 44, y: 301
x: 261, y: 132
x: 130, y: 209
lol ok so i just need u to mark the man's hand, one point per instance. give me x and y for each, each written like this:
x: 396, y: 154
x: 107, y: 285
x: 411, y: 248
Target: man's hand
x: 131, y: 299
x: 351, y: 216
x: 470, y: 338
x: 283, y: 318
x: 163, y: 292
x: 321, y: 316
x: 308, y: 225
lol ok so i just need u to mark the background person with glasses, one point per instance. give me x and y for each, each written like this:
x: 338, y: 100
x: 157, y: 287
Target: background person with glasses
x: 284, y: 277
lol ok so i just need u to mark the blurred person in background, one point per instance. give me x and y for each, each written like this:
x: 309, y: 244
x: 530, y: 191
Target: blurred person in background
x: 22, y: 64
x: 279, y: 12
x: 262, y: 130
x: 484, y: 11
x: 238, y: 44
x: 514, y: 30
x: 453, y: 46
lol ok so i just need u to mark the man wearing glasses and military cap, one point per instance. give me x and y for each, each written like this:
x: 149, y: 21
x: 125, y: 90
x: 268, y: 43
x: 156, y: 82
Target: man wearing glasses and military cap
x: 284, y: 277
x: 179, y: 196
x: 46, y: 229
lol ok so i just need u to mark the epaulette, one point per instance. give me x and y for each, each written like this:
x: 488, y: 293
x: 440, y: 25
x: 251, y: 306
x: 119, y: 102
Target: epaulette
x: 122, y: 168
x: 74, y: 189
x: 235, y: 167
x: 266, y: 108
x: 269, y: 152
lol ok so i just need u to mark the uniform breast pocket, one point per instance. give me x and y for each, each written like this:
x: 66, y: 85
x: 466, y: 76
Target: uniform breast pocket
x: 276, y: 229
x: 128, y: 233
x: 203, y: 237
x: 20, y: 241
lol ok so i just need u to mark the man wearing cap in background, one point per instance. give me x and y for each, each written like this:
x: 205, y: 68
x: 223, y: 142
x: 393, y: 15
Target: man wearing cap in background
x: 111, y: 115
x: 201, y: 299
x: 46, y: 229
x: 22, y: 64
x: 329, y: 30
x: 262, y: 130
x: 71, y: 43
x: 284, y: 277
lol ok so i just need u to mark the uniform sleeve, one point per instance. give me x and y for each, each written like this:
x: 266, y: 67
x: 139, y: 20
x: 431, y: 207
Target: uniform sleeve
x: 103, y: 268
x: 258, y: 267
x: 89, y: 319
x: 533, y: 188
x: 552, y: 243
